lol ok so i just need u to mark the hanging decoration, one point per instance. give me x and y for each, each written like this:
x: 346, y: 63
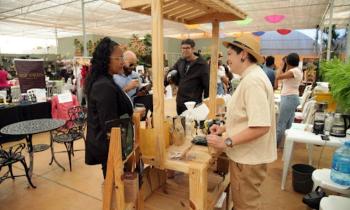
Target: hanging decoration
x: 274, y: 18
x: 284, y: 31
x: 244, y: 22
x: 258, y: 33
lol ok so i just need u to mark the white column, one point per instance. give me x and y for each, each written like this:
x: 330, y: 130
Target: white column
x: 330, y: 30
x: 83, y: 25
x: 321, y: 42
x: 347, y: 50
x: 56, y: 37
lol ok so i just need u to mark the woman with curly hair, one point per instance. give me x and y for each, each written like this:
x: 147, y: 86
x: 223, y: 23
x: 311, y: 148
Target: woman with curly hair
x: 106, y: 100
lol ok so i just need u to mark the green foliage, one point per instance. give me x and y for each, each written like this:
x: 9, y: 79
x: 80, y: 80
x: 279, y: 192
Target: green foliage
x: 337, y: 73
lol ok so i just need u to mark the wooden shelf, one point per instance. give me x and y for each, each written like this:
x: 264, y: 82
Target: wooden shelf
x: 189, y: 11
x: 175, y: 194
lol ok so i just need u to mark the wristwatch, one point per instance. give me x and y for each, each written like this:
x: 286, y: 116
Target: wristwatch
x: 228, y: 142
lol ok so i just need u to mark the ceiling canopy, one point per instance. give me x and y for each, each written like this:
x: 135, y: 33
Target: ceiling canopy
x: 48, y: 18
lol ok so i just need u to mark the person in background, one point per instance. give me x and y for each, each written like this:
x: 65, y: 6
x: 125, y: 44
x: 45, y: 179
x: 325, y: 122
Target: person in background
x: 106, y: 100
x: 269, y: 69
x: 129, y: 80
x: 191, y: 74
x: 250, y: 138
x: 222, y: 81
x: 291, y: 76
x: 4, y: 76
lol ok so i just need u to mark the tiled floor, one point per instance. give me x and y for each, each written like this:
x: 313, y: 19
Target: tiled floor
x: 81, y: 188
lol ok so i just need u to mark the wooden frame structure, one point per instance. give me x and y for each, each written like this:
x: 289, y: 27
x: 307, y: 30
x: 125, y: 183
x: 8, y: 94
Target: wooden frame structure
x: 114, y: 185
x: 188, y: 12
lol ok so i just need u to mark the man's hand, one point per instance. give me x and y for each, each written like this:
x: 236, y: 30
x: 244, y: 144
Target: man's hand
x: 216, y: 141
x: 131, y: 85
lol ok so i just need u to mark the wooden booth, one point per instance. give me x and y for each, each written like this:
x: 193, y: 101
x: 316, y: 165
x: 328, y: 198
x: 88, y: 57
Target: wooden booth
x: 202, y: 189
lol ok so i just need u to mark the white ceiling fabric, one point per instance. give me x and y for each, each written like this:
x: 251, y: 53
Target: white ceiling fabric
x: 41, y: 18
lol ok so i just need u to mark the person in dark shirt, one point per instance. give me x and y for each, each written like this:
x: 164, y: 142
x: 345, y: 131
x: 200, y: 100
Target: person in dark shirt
x: 269, y: 69
x: 191, y: 74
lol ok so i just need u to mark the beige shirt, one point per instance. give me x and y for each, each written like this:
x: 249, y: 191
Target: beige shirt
x: 291, y: 86
x: 252, y: 105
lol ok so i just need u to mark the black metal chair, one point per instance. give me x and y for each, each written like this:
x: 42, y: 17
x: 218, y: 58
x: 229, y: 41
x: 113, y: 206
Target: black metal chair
x: 9, y: 157
x: 73, y: 130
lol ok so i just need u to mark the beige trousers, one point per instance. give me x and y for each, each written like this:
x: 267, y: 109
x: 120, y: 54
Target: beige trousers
x: 246, y: 181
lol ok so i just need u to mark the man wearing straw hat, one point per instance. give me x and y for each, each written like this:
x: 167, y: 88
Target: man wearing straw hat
x: 250, y: 132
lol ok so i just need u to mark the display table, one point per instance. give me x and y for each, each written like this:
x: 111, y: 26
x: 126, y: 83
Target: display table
x: 30, y: 127
x: 12, y: 113
x: 298, y: 134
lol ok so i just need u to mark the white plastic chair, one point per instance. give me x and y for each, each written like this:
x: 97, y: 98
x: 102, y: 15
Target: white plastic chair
x: 333, y: 202
x: 322, y: 178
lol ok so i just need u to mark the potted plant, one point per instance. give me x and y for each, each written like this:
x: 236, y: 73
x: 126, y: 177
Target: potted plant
x: 337, y: 73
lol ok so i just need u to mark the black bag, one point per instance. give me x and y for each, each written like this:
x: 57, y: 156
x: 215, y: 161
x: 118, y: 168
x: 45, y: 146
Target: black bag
x: 127, y: 133
x: 313, y: 199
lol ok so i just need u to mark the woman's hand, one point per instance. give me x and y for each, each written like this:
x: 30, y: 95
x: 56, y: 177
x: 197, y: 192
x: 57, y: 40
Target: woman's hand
x: 215, y: 129
x: 216, y: 141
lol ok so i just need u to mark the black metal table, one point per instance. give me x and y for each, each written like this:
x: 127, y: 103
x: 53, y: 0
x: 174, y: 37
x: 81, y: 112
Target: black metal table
x: 16, y: 112
x: 30, y: 127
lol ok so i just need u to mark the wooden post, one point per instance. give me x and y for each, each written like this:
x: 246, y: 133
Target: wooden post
x: 198, y: 180
x: 136, y: 120
x: 213, y: 70
x: 158, y: 77
x: 114, y: 173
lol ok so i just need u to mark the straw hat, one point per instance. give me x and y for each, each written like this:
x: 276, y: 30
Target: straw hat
x: 249, y: 44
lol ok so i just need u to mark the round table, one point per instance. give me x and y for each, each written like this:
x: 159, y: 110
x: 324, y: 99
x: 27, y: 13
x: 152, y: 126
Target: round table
x: 30, y: 127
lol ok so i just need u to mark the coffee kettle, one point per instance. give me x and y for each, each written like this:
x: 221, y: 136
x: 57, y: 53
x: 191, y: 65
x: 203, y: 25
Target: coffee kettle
x: 339, y: 125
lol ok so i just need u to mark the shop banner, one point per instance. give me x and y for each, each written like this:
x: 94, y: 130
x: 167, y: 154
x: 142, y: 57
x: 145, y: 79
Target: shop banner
x: 30, y: 73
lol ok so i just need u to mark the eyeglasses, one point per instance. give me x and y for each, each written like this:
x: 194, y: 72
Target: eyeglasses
x: 121, y: 58
x: 131, y: 65
x: 185, y: 48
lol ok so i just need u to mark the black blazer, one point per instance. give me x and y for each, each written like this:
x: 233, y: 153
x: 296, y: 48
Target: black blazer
x: 106, y: 101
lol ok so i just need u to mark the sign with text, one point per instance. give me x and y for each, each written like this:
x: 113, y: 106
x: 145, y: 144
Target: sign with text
x: 30, y: 73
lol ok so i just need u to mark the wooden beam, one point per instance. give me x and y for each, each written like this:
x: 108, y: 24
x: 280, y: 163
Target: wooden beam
x: 189, y: 14
x: 125, y: 4
x: 169, y: 4
x: 221, y: 17
x: 213, y: 70
x: 147, y: 12
x: 136, y: 120
x: 157, y: 75
x: 199, y: 5
x: 113, y: 181
x: 182, y: 10
x: 175, y: 8
x: 177, y: 165
x: 198, y: 181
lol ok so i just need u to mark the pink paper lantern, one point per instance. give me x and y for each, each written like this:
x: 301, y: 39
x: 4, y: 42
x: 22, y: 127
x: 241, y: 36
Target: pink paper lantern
x: 283, y: 31
x: 274, y: 18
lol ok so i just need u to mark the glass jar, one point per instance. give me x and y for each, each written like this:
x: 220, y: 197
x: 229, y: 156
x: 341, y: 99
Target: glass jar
x: 338, y: 128
x: 328, y: 123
